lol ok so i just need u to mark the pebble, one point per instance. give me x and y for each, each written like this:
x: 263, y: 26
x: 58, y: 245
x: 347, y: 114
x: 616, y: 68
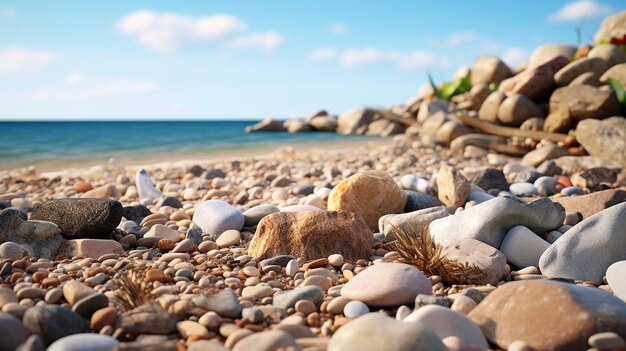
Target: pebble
x: 228, y: 238
x: 53, y: 322
x: 266, y: 341
x: 288, y: 299
x: 78, y: 342
x: 14, y: 332
x: 616, y: 277
x: 216, y: 216
x: 11, y: 251
x: 90, y: 304
x: 305, y: 307
x: 161, y: 231
x: 607, y: 341
x: 523, y: 189
x: 191, y: 328
x: 354, y: 309
x: 335, y: 260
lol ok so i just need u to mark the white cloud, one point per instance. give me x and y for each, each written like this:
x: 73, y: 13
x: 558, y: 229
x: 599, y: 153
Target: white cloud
x: 8, y: 12
x: 352, y: 58
x: 460, y: 38
x: 267, y: 41
x: 323, y: 54
x: 22, y: 60
x: 514, y: 56
x: 166, y: 32
x: 118, y: 87
x: 581, y: 10
x: 417, y: 59
x: 338, y: 29
x: 74, y: 79
x: 358, y: 57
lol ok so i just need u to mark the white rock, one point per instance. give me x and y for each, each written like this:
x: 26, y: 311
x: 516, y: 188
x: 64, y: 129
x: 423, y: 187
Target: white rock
x: 522, y: 247
x: 616, y: 277
x: 216, y: 217
x: 147, y: 191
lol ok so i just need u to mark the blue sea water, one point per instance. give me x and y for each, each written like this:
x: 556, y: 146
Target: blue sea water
x: 67, y: 143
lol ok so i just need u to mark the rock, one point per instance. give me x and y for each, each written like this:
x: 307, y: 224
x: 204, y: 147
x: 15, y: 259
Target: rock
x: 489, y: 69
x: 149, y: 318
x: 586, y: 250
x: 168, y: 201
x: 534, y: 83
x: 228, y: 238
x: 605, y: 139
x: 267, y: 125
x: 81, y: 218
x: 108, y: 191
x: 475, y: 253
x: 453, y: 187
x: 41, y: 239
x: 206, y: 345
x: 355, y: 121
x: 575, y: 68
x: 297, y: 126
x: 354, y: 309
x: 616, y: 277
x: 489, y: 109
x: 617, y: 72
x: 15, y: 333
x: 510, y: 312
x: 491, y: 220
x: 103, y: 317
x: 523, y: 189
x: 388, y: 334
x: 384, y: 127
x: 522, y: 247
x: 607, y: 341
x: 135, y: 213
x: 7, y: 296
x: 430, y: 107
x: 482, y: 141
x: 74, y: 291
x: 612, y: 27
x: 145, y: 187
x: 517, y: 108
x: 253, y: 216
x: 189, y: 328
x: 568, y: 165
x: 450, y: 131
x: 409, y: 221
x: 216, y: 217
x: 289, y: 298
x: 53, y: 322
x: 78, y: 342
x: 33, y: 343
x: 369, y: 194
x: 12, y: 251
x: 415, y: 183
x: 161, y: 231
x: 558, y: 121
x: 594, y: 178
x: 535, y: 123
x: 611, y: 54
x: 490, y: 178
x: 542, y: 154
x: 213, y: 173
x: 90, y: 304
x: 81, y: 187
x: 387, y: 284
x: 431, y: 125
x: 418, y: 201
x: 90, y: 248
x: 324, y: 123
x: 547, y: 52
x: 588, y: 78
x: 311, y: 235
x: 478, y: 94
x: 585, y: 101
x: 224, y: 303
x: 445, y: 322
x: 267, y: 341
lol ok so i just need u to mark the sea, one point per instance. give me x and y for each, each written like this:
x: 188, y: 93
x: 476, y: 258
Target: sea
x: 59, y: 144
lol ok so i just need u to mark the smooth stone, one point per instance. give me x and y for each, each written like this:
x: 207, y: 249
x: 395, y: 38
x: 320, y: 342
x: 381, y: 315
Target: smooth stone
x: 522, y: 247
x: 490, y: 178
x: 90, y: 304
x: 40, y: 238
x: 516, y: 109
x: 216, y: 217
x: 585, y: 101
x: 479, y: 197
x: 206, y: 345
x: 189, y: 328
x: 572, y: 190
x: 280, y: 260
x: 195, y: 235
x: 149, y: 318
x: 491, y: 220
x: 547, y: 52
x: 12, y: 251
x: 354, y: 121
x: 605, y: 139
x: 607, y: 341
x: 33, y: 343
x: 445, y: 322
x: 409, y: 221
x: 509, y: 313
x: 15, y: 333
x: 542, y: 154
x: 590, y: 204
x: 553, y: 236
x: 74, y: 291
x: 476, y: 253
x: 575, y: 68
x: 90, y: 248
x: 84, y: 342
x: 53, y: 322
x: 161, y: 231
x: 523, y: 189
x: 337, y: 304
x: 224, y: 303
x: 253, y: 216
x: 489, y: 109
x: 354, y: 309
x: 387, y: 285
x: 587, y: 250
x: 7, y: 295
x: 145, y: 187
x: 375, y: 331
x: 616, y: 277
x: 489, y: 69
x: 185, y: 245
x: 299, y: 208
x: 452, y: 187
x: 288, y: 299
x: 267, y: 341
x: 415, y: 183
x: 417, y: 201
x: 292, y: 268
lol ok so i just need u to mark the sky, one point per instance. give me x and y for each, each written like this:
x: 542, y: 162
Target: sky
x: 112, y: 60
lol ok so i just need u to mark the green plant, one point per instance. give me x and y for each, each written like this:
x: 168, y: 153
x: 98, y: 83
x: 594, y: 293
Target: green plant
x: 619, y: 91
x: 447, y: 90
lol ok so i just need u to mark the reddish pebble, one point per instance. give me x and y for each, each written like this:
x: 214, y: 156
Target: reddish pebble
x: 81, y: 187
x: 103, y: 317
x: 207, y: 246
x: 166, y: 244
x: 154, y: 275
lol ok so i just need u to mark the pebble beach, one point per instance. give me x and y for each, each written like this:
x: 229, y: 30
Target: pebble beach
x: 443, y: 234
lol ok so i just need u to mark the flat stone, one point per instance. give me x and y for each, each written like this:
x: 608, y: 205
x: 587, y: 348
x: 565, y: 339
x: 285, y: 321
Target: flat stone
x: 587, y: 250
x: 491, y: 220
x: 216, y: 217
x: 375, y: 331
x: 417, y: 201
x: 90, y: 248
x: 575, y: 68
x: 476, y: 253
x: 445, y: 322
x: 224, y: 303
x: 74, y: 291
x: 189, y: 328
x: 77, y: 342
x: 107, y: 191
x: 266, y: 341
x: 523, y: 189
x: 607, y: 341
x: 542, y: 154
x: 149, y: 318
x: 585, y: 101
x: 605, y: 139
x: 409, y: 221
x: 369, y: 194
x: 522, y: 247
x: 510, y: 312
x: 90, y: 304
x: 15, y: 333
x: 41, y: 239
x: 616, y: 277
x: 228, y: 238
x: 387, y: 284
x: 288, y: 299
x: 103, y: 317
x: 53, y: 322
x: 254, y: 215
x: 161, y: 231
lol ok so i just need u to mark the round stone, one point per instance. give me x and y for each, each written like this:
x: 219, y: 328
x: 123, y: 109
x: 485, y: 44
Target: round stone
x: 305, y: 307
x: 78, y: 342
x: 523, y: 189
x: 291, y: 269
x: 354, y: 309
x: 335, y: 260
x: 251, y: 271
x: 228, y: 238
x: 336, y: 305
x: 11, y: 251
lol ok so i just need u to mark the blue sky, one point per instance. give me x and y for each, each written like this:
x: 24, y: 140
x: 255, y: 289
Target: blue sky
x: 253, y: 59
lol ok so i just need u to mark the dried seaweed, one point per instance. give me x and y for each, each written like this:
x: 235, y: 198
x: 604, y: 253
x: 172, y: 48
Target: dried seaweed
x: 133, y: 290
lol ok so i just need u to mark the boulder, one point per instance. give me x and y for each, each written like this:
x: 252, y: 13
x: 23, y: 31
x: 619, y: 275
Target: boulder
x: 267, y: 125
x: 575, y: 68
x: 611, y: 54
x: 516, y: 109
x: 590, y: 204
x: 605, y: 139
x: 384, y: 127
x: 355, y: 121
x: 489, y: 109
x: 297, y: 126
x: 40, y: 238
x: 613, y: 26
x: 489, y: 69
x: 617, y: 72
x: 324, y: 123
x: 548, y: 52
x: 585, y: 101
x: 476, y: 253
x: 534, y: 83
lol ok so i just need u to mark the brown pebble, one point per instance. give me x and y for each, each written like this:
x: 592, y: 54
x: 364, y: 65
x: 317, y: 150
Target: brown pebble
x: 38, y: 277
x: 166, y: 244
x: 207, y: 246
x: 320, y: 262
x: 154, y: 275
x: 50, y: 282
x: 103, y: 317
x: 81, y: 187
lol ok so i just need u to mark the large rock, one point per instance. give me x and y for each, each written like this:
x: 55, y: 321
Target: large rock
x: 354, y: 121
x: 489, y: 69
x: 616, y: 278
x: 613, y: 26
x: 297, y: 126
x: 267, y: 125
x: 575, y: 68
x: 605, y: 139
x: 489, y: 109
x: 516, y: 109
x: 14, y: 332
x: 384, y: 127
x: 586, y: 250
x: 568, y: 165
x: 387, y: 285
x: 216, y: 217
x: 534, y: 83
x: 81, y: 218
x: 369, y: 194
x: 548, y: 52
x: 522, y: 247
x: 475, y: 253
x: 617, y: 72
x: 445, y: 322
x: 40, y: 238
x: 53, y: 322
x: 491, y: 220
x: 510, y: 313
x: 407, y: 222
x: 311, y: 235
x: 611, y: 54
x: 91, y: 248
x: 585, y: 101
x: 590, y: 204
x: 324, y: 123
x: 374, y: 331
